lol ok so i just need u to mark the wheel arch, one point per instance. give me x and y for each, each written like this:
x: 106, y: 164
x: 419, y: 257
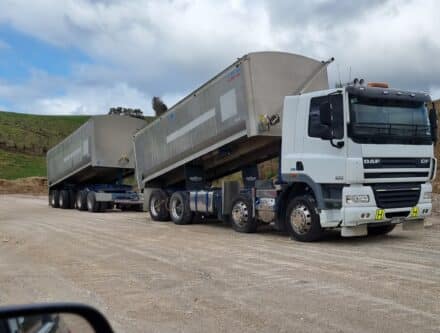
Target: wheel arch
x: 297, y: 186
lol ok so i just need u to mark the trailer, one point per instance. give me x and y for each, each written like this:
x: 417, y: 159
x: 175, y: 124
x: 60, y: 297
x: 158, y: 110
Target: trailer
x: 358, y: 157
x: 86, y: 170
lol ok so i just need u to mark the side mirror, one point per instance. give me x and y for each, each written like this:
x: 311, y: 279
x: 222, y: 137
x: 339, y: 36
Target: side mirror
x: 58, y: 317
x: 325, y: 114
x: 433, y: 124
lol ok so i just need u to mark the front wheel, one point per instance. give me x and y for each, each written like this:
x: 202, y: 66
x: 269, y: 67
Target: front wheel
x: 302, y: 219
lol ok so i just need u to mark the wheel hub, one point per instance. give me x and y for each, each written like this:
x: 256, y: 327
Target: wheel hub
x: 176, y: 208
x: 240, y: 213
x: 155, y: 206
x: 301, y: 219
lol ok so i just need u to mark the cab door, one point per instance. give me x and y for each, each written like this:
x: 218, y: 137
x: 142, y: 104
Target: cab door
x: 324, y: 159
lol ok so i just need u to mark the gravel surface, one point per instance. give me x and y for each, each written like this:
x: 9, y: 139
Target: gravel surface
x: 159, y: 277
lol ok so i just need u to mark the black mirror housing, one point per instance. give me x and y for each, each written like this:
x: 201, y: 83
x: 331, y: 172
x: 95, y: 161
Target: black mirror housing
x: 433, y: 124
x: 326, y: 132
x: 325, y: 114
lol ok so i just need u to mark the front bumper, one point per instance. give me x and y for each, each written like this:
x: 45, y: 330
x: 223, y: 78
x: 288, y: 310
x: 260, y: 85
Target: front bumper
x: 354, y: 216
x: 368, y: 213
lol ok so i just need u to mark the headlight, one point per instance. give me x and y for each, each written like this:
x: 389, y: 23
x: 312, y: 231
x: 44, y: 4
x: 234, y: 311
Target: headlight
x: 357, y: 198
x: 427, y: 195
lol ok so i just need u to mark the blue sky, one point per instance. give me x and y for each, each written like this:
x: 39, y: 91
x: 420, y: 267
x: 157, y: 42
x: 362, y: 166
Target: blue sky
x: 84, y: 56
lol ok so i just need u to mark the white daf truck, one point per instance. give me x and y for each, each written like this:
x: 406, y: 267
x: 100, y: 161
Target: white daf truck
x: 358, y: 158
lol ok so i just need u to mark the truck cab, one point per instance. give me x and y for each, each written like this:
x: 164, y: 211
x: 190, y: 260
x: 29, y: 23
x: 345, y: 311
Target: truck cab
x: 365, y: 154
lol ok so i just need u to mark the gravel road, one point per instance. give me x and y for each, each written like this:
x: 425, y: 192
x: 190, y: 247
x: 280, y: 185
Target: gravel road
x: 159, y: 277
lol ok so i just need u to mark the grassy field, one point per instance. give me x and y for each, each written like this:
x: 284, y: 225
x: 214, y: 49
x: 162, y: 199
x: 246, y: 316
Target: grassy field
x: 18, y: 165
x: 25, y: 139
x: 35, y: 134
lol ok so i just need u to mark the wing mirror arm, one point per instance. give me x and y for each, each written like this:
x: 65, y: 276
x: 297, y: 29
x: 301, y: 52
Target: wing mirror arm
x: 339, y: 144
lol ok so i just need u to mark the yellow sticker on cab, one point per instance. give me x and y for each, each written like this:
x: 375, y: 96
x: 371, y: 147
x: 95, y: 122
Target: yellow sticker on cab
x: 414, y: 211
x: 380, y: 214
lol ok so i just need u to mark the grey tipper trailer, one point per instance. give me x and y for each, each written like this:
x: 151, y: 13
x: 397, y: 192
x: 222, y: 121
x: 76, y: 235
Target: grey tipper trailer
x: 229, y: 124
x: 86, y: 169
x: 223, y: 125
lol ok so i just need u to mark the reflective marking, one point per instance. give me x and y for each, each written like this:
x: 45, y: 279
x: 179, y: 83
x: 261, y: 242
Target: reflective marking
x: 414, y: 211
x: 191, y: 125
x: 380, y: 214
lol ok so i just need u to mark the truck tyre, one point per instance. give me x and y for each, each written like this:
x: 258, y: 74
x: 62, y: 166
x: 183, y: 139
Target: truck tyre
x: 53, y: 198
x: 381, y: 230
x: 81, y: 200
x: 179, y: 208
x: 92, y: 205
x: 302, y: 219
x: 72, y: 199
x: 64, y: 199
x: 157, y: 205
x: 241, y: 215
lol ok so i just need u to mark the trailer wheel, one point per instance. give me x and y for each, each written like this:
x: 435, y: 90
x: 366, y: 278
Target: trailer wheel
x: 53, y: 198
x: 81, y: 200
x: 157, y: 205
x: 179, y: 208
x: 302, y: 219
x: 241, y: 215
x: 64, y: 200
x: 92, y: 205
x: 381, y: 230
x: 72, y: 199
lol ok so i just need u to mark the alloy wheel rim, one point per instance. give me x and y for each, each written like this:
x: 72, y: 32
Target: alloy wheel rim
x: 176, y: 208
x: 301, y: 219
x: 240, y: 213
x: 155, y: 206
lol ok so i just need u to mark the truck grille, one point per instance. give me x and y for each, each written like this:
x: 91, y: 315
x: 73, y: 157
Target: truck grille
x: 396, y: 195
x: 396, y: 162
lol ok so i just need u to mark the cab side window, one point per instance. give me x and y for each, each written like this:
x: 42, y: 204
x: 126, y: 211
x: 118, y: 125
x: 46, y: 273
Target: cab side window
x: 315, y: 127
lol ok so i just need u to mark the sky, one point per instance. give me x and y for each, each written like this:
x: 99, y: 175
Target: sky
x: 85, y: 56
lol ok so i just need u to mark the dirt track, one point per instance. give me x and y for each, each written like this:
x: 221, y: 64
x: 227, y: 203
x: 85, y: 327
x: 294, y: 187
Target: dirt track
x: 158, y: 277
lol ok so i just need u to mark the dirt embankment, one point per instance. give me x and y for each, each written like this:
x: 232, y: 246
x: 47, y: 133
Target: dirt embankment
x: 30, y: 185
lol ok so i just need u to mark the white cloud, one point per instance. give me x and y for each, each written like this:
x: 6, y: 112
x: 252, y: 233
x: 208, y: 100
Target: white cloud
x: 92, y: 101
x: 141, y: 48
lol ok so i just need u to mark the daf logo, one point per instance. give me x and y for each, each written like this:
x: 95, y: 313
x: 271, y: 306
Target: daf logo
x: 424, y: 161
x: 371, y: 160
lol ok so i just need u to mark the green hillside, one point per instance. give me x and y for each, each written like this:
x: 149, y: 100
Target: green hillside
x: 25, y: 139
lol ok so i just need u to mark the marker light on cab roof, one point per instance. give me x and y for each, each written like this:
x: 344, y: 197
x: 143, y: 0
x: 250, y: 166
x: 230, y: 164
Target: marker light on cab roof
x: 378, y: 85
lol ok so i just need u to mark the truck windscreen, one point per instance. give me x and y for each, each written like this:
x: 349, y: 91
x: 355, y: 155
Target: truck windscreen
x: 374, y: 120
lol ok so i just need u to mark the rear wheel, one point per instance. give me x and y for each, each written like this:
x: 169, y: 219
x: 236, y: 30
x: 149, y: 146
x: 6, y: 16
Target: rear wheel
x: 81, y: 200
x: 53, y: 198
x: 64, y: 199
x: 241, y: 215
x: 381, y: 230
x: 157, y: 205
x: 180, y: 211
x: 92, y: 204
x: 302, y: 219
